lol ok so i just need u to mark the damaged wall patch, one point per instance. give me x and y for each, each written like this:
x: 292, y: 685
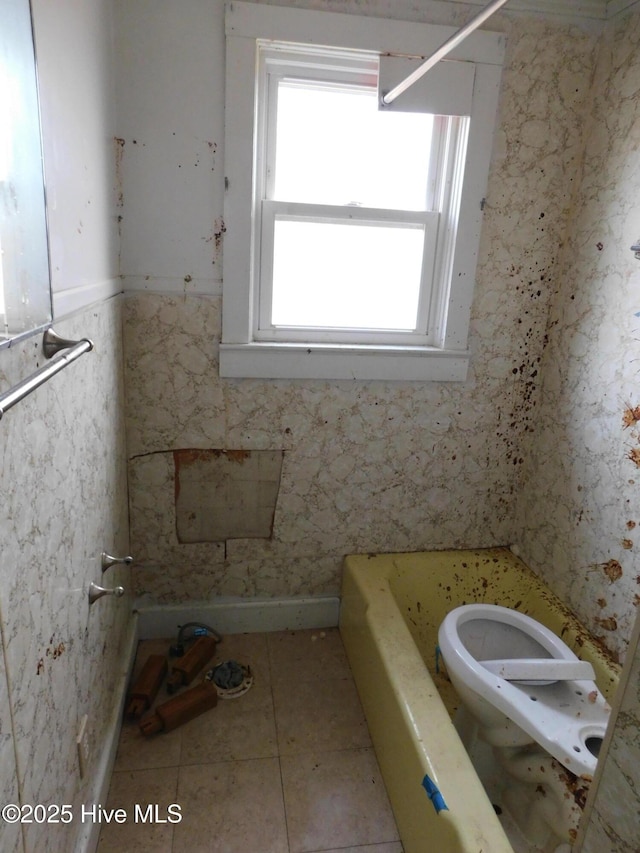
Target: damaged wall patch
x: 226, y: 494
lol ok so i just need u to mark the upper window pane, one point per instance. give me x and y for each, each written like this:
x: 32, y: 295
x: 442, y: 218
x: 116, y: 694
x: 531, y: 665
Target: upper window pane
x: 334, y: 146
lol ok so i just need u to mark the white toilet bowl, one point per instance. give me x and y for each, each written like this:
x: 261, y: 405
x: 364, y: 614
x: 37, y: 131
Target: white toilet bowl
x: 523, y: 685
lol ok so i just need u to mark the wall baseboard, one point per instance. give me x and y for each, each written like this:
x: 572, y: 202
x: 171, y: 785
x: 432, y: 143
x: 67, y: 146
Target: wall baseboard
x: 240, y: 616
x: 87, y: 841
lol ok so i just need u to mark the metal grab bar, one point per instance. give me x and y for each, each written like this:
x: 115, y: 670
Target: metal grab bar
x: 52, y: 343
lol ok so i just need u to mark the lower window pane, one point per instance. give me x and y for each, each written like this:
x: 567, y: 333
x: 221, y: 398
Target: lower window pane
x: 341, y: 276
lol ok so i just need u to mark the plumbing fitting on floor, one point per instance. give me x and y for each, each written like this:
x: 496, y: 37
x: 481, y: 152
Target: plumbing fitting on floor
x: 198, y: 629
x: 231, y: 679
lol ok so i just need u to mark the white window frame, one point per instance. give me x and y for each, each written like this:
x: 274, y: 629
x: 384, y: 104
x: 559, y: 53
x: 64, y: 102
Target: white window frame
x: 278, y: 63
x: 441, y: 354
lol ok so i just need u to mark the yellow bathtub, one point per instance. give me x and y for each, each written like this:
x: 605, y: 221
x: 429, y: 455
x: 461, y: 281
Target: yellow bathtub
x: 392, y: 606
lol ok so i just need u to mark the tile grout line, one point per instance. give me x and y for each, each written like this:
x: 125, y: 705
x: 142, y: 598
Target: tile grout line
x: 275, y: 723
x: 173, y: 826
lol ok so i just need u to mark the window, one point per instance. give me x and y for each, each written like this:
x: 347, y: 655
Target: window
x: 344, y: 255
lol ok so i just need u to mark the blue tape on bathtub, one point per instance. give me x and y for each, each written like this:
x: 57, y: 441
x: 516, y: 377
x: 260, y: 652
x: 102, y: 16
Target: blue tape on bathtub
x: 433, y: 792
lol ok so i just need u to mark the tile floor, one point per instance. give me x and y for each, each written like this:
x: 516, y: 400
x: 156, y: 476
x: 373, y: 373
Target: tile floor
x: 286, y: 768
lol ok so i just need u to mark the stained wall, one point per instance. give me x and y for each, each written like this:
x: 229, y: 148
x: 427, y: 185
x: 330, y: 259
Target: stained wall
x: 63, y: 460
x: 368, y: 466
x: 537, y: 447
x: 578, y: 508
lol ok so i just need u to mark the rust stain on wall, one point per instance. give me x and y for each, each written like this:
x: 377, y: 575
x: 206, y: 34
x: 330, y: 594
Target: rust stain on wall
x: 186, y: 458
x: 192, y: 456
x: 119, y: 155
x: 631, y: 416
x: 609, y: 623
x: 612, y: 569
x: 55, y: 651
x: 219, y: 229
x: 238, y: 456
x: 634, y: 456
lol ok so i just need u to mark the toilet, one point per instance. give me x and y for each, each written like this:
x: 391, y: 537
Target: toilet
x: 530, y: 698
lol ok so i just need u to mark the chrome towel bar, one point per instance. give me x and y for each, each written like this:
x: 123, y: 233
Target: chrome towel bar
x: 52, y: 344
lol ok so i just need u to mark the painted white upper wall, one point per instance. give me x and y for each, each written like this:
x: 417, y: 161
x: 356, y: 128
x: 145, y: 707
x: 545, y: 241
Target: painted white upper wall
x: 170, y: 95
x: 74, y: 49
x: 86, y: 169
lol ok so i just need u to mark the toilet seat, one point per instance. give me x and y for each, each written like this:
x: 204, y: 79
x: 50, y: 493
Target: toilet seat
x: 538, y: 670
x: 567, y: 716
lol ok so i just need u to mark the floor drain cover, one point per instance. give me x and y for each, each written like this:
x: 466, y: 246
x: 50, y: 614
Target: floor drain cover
x: 231, y: 679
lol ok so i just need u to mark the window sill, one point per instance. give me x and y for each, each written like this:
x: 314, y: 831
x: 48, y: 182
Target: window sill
x: 333, y: 361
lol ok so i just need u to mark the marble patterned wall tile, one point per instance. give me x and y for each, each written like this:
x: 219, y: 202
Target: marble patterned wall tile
x: 578, y: 508
x: 10, y: 833
x: 63, y: 477
x: 170, y: 356
x: 311, y: 534
x: 363, y: 468
x: 367, y: 466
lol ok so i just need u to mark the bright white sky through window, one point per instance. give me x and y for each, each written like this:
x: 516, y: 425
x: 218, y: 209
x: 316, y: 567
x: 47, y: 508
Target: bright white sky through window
x: 335, y: 147
x: 335, y: 275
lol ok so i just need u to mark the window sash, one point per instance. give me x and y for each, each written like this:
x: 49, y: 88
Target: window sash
x: 348, y: 70
x: 272, y: 211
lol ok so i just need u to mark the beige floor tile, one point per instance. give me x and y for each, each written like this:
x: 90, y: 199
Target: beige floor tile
x: 335, y: 800
x: 136, y: 752
x: 156, y: 787
x: 307, y: 656
x: 314, y: 716
x: 231, y: 807
x: 235, y: 729
x: 223, y: 771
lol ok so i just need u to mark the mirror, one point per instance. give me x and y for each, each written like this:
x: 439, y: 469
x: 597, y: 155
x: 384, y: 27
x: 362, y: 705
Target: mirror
x: 25, y: 294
